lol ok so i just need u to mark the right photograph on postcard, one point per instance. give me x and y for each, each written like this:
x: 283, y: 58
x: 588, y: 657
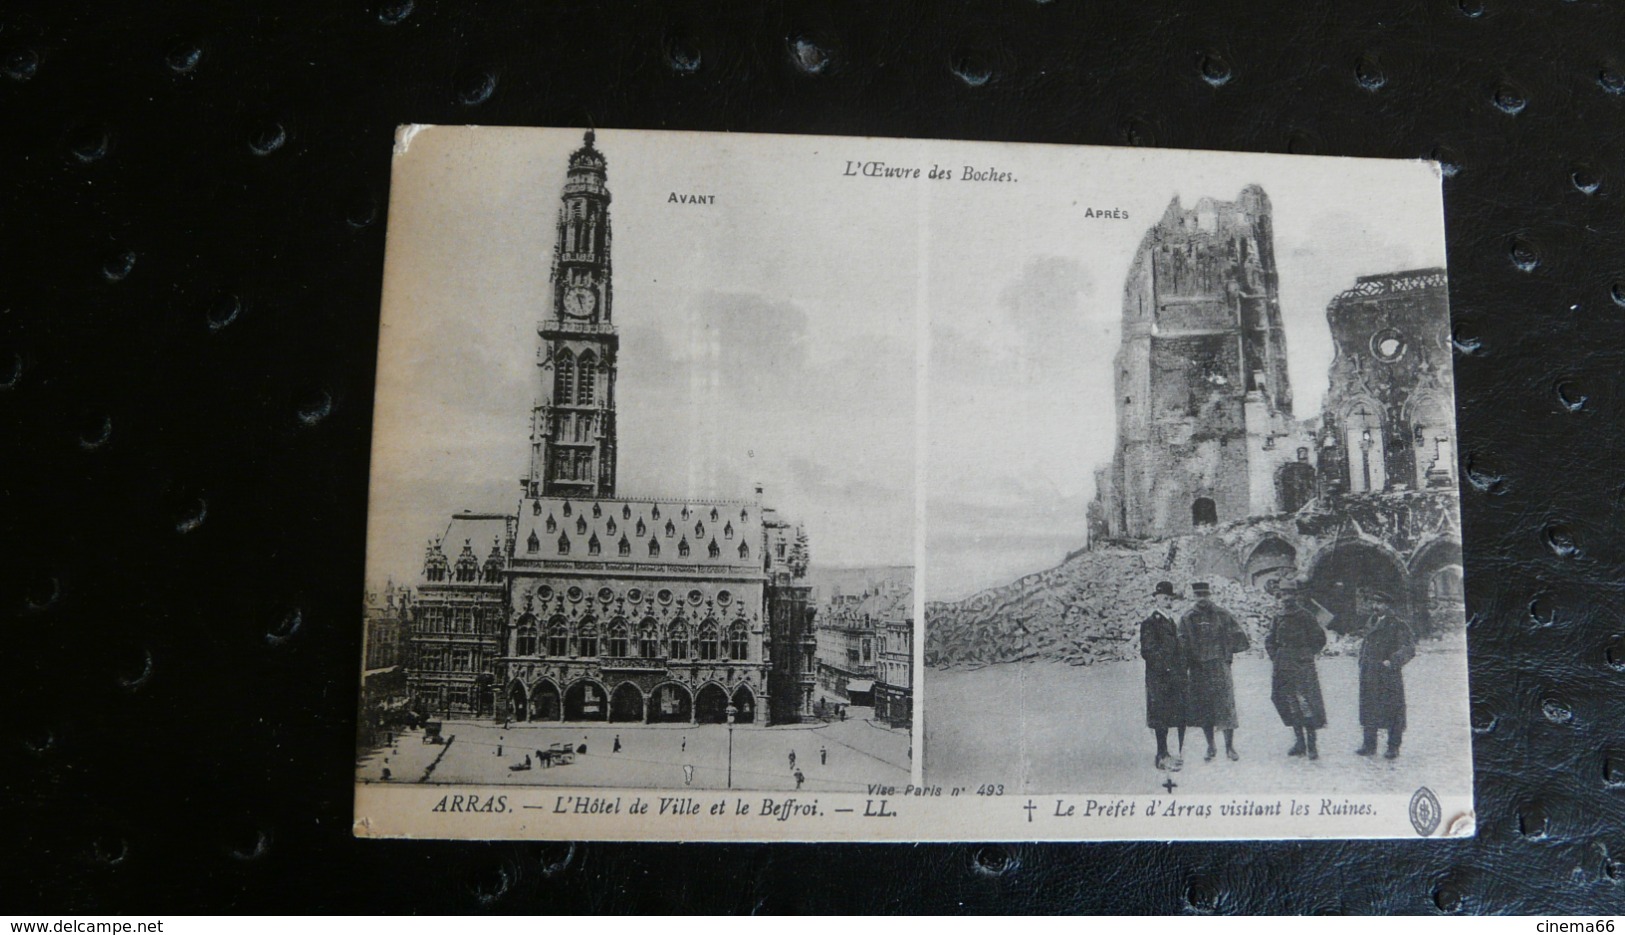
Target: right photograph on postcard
x: 1191, y: 508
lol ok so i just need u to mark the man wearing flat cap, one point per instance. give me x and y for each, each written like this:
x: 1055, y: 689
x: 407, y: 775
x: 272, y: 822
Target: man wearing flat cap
x: 1210, y: 636
x: 1294, y: 640
x: 1389, y: 644
x: 1164, y: 675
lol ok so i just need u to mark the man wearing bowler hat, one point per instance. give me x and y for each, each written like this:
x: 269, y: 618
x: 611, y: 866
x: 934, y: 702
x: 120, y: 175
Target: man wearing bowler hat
x: 1389, y: 644
x: 1164, y: 675
x: 1294, y: 640
x: 1210, y: 636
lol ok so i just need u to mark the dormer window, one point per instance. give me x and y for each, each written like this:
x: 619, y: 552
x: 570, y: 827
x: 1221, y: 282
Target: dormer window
x: 564, y: 543
x: 581, y: 525
x: 654, y: 511
x: 626, y: 511
x: 713, y: 514
x: 625, y: 546
x: 654, y: 547
x: 610, y: 526
x: 596, y: 511
x: 682, y: 547
x: 670, y: 529
x: 642, y: 529
x: 699, y: 530
x: 593, y: 548
x: 744, y: 550
x: 728, y: 531
x: 566, y: 508
x: 715, y: 551
x: 551, y: 526
x: 533, y: 544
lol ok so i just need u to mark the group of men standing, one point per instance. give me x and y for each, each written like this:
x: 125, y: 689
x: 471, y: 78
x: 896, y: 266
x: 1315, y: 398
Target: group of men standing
x: 1188, y: 681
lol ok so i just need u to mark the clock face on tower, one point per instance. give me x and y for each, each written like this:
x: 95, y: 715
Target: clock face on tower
x: 580, y: 302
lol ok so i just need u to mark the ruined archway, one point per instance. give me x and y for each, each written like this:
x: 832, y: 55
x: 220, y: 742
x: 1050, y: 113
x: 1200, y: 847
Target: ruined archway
x: 1437, y: 586
x: 1344, y: 574
x: 1270, y: 561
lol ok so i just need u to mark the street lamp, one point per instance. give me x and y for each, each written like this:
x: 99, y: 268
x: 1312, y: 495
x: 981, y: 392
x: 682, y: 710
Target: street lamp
x: 731, y: 712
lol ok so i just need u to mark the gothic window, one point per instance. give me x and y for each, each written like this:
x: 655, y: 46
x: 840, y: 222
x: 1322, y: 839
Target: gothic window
x: 678, y: 639
x: 587, y: 637
x: 642, y: 529
x: 584, y: 465
x: 710, y: 649
x: 699, y: 530
x: 564, y: 543
x: 626, y: 511
x: 552, y: 527
x: 682, y: 547
x: 525, y: 637
x: 685, y: 514
x: 587, y: 383
x: 493, y: 572
x: 654, y: 511
x: 581, y: 525
x: 593, y: 548
x: 714, y: 549
x: 713, y: 514
x: 609, y: 527
x: 536, y: 508
x: 566, y: 508
x: 744, y: 517
x: 728, y: 531
x: 598, y: 511
x: 625, y: 546
x: 744, y: 550
x: 738, y: 641
x: 564, y: 377
x: 1204, y: 512
x: 558, y: 638
x: 670, y: 529
x: 654, y: 546
x: 649, y: 638
x: 619, y: 645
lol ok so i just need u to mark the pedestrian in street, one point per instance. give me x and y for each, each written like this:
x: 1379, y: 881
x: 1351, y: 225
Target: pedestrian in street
x: 685, y: 743
x: 527, y: 761
x: 792, y: 759
x: 823, y: 755
x: 1294, y: 640
x: 1389, y: 644
x: 799, y: 779
x: 617, y: 744
x: 499, y: 746
x: 1209, y: 636
x: 1164, y: 675
x: 582, y: 749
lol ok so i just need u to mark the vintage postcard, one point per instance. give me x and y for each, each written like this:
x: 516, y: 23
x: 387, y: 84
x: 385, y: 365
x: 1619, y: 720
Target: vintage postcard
x: 742, y: 487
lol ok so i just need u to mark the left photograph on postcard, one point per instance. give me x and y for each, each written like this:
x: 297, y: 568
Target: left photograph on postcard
x: 642, y: 493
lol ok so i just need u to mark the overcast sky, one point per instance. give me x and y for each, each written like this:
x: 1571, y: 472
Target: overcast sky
x: 771, y: 336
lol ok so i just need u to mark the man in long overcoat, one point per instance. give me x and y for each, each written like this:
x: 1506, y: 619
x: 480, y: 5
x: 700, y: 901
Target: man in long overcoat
x: 1389, y: 644
x: 1164, y: 675
x: 1294, y: 640
x: 1209, y: 636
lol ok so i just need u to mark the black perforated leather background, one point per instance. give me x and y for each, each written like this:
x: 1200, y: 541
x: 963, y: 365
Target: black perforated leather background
x: 191, y: 246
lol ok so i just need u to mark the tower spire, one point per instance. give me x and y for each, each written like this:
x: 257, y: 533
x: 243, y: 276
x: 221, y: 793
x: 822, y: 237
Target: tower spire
x: 573, y: 421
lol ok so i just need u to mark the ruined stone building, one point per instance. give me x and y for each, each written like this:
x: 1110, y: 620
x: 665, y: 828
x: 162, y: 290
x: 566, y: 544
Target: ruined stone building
x: 596, y: 606
x: 1362, y: 496
x: 1205, y: 430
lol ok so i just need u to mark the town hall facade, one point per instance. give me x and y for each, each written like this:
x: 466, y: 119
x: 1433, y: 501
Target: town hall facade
x: 593, y: 606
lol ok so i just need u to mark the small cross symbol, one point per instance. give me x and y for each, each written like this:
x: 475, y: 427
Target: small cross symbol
x: 1169, y: 784
x: 1029, y: 807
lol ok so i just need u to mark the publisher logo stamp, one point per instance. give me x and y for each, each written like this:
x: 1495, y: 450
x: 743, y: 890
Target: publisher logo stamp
x: 1425, y: 811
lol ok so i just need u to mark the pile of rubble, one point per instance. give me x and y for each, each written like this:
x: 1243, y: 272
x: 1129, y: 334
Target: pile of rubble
x: 1086, y: 610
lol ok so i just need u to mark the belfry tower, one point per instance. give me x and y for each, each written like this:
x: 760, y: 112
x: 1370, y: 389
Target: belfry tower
x: 572, y: 432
